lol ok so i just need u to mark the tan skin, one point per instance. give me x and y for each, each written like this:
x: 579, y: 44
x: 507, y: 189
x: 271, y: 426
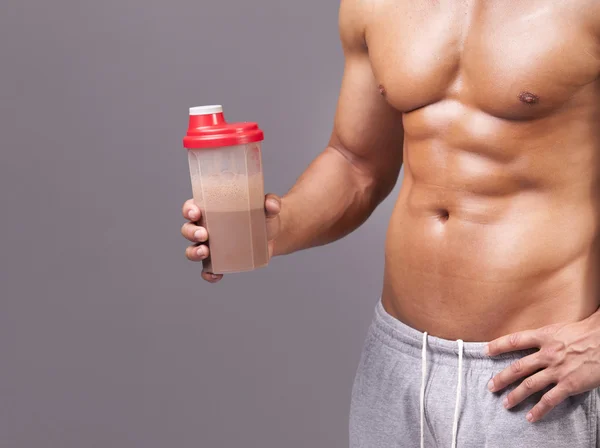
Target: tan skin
x: 493, y: 107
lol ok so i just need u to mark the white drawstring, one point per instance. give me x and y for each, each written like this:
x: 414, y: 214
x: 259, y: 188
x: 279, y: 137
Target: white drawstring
x: 458, y: 393
x: 423, y: 375
x: 458, y: 390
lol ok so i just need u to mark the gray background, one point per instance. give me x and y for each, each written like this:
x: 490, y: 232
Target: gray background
x: 108, y: 337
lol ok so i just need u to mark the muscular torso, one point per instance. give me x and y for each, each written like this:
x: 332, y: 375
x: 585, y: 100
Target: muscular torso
x: 495, y: 225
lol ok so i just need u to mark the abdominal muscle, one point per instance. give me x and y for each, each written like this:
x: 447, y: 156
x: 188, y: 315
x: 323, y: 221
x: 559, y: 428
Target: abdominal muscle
x: 478, y: 263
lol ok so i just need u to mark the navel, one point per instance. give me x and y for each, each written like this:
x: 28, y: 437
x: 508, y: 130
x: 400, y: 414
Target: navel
x: 528, y: 98
x: 443, y: 215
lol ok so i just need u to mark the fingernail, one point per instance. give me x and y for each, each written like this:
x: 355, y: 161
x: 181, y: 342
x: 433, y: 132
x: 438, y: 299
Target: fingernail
x: 198, y: 235
x: 491, y: 385
x: 201, y: 253
x: 529, y: 417
x: 486, y: 349
x: 192, y: 214
x: 505, y: 402
x: 214, y: 277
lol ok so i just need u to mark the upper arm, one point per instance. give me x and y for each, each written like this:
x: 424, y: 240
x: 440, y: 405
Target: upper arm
x: 367, y: 129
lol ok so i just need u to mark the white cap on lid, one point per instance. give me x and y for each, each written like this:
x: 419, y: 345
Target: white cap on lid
x: 206, y: 110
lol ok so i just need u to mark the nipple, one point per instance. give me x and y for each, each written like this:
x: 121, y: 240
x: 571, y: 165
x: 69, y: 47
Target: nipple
x: 528, y: 98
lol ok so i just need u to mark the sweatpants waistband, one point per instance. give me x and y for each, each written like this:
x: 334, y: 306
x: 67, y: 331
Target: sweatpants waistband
x: 406, y: 339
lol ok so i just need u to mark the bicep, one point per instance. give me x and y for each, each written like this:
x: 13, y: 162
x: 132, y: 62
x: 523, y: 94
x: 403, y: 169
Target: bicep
x: 367, y: 129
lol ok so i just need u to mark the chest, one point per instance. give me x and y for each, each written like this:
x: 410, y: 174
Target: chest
x: 512, y: 59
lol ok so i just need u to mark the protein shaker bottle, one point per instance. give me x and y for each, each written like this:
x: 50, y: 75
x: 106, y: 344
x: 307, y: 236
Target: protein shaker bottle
x: 228, y: 187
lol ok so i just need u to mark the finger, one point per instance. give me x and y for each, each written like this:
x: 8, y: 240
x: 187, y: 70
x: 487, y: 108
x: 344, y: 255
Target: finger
x: 194, y: 233
x: 190, y: 210
x: 520, y: 368
x: 549, y: 401
x: 272, y: 209
x: 272, y: 205
x: 515, y: 341
x: 528, y: 387
x: 197, y: 253
x: 273, y: 226
x: 212, y: 278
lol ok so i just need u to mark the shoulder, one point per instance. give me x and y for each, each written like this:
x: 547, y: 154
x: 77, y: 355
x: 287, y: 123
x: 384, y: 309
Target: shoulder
x: 592, y: 13
x: 353, y: 18
x: 593, y: 16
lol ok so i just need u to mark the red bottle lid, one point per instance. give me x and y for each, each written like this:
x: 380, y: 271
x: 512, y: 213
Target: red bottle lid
x: 208, y: 129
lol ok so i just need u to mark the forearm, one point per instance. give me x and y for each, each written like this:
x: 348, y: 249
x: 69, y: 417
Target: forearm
x: 331, y: 199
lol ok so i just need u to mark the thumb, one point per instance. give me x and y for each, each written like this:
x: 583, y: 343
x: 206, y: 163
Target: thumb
x: 272, y: 205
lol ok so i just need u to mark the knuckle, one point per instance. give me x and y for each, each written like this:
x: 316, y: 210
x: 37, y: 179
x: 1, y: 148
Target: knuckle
x: 548, y: 399
x: 517, y: 366
x: 514, y: 340
x: 555, y: 352
x: 570, y: 384
x: 548, y: 330
x: 548, y: 354
x: 529, y: 383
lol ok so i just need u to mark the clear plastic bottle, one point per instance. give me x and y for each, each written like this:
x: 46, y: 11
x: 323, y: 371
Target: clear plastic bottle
x: 228, y: 186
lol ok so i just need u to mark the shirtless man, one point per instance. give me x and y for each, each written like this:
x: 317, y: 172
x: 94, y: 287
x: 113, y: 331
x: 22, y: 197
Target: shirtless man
x: 494, y: 109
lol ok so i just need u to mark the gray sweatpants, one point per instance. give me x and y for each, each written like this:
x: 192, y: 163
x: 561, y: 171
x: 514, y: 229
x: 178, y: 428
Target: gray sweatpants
x: 403, y: 393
